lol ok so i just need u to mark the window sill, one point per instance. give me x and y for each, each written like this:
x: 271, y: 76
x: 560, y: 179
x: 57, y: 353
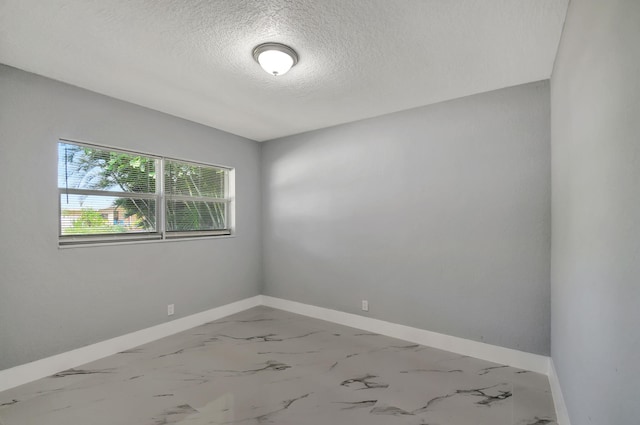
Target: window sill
x: 136, y: 242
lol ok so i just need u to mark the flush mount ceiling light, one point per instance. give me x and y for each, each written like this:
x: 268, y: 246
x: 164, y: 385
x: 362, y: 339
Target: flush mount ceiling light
x: 275, y: 58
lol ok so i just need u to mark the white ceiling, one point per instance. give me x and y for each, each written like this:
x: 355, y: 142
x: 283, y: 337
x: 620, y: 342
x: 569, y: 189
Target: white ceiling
x: 358, y: 58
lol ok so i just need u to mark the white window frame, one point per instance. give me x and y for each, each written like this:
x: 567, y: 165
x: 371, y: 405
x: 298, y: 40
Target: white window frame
x: 161, y: 198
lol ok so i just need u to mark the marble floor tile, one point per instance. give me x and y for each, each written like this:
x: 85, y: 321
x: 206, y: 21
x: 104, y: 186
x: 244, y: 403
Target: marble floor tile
x: 266, y: 366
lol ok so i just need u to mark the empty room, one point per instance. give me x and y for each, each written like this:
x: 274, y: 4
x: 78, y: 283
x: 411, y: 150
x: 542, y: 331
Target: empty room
x: 320, y: 212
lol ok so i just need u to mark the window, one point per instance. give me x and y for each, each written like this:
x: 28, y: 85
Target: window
x: 110, y: 195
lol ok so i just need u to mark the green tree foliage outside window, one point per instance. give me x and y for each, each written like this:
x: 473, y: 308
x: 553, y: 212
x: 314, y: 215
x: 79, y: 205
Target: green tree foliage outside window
x: 183, y: 179
x: 92, y: 222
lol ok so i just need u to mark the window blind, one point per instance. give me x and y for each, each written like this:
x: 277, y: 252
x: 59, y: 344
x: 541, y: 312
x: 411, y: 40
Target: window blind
x: 110, y: 195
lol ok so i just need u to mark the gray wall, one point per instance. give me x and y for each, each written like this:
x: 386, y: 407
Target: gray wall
x: 595, y: 104
x: 53, y: 300
x: 439, y: 216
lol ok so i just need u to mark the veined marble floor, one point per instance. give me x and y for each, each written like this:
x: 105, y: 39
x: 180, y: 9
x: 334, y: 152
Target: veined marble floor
x: 266, y: 366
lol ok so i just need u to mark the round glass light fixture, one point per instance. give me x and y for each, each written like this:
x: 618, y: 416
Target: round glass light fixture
x: 275, y: 58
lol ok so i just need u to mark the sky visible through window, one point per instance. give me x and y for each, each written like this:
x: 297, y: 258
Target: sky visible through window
x: 71, y: 177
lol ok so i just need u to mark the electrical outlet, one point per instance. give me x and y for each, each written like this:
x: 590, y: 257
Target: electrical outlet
x: 170, y: 309
x: 365, y: 305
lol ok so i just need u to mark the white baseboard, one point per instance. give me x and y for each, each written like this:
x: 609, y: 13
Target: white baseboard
x: 561, y: 408
x: 492, y: 353
x: 38, y: 369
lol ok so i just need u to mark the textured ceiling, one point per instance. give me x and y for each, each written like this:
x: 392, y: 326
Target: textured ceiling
x: 358, y: 58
